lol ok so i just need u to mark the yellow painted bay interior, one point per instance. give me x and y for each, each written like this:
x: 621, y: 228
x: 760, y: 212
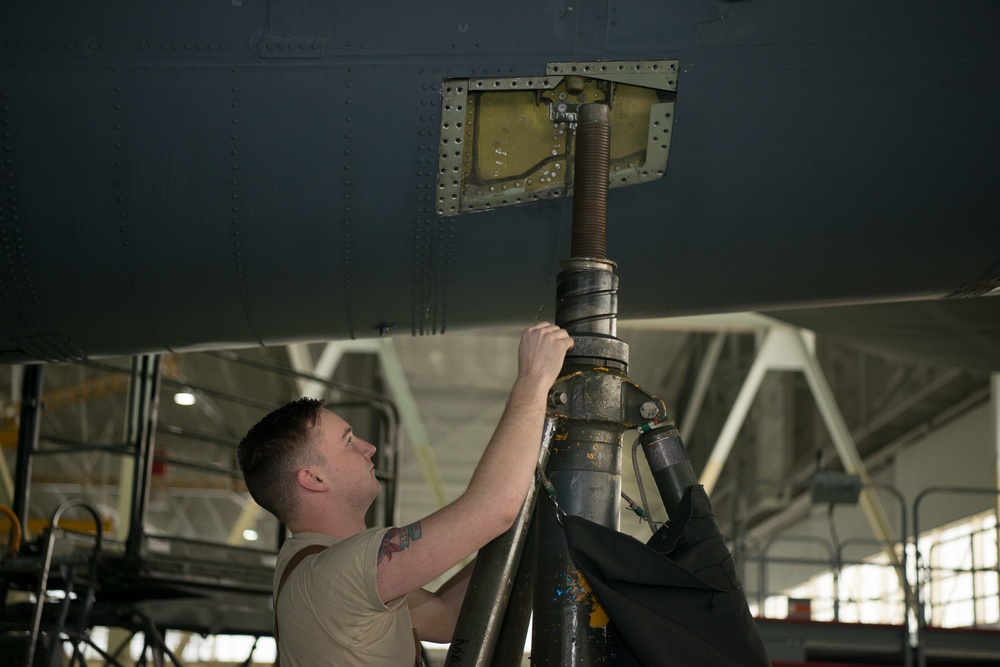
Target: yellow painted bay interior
x: 509, y: 141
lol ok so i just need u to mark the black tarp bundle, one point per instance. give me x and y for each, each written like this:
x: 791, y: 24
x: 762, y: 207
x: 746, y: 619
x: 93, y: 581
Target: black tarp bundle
x: 675, y: 600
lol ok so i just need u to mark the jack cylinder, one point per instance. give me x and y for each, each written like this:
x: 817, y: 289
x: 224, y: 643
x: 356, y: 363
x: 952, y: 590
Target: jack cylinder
x: 670, y: 465
x: 569, y: 626
x: 587, y: 297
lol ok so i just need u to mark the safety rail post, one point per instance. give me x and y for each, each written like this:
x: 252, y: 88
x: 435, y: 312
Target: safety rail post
x: 901, y: 571
x: 846, y: 563
x: 905, y: 641
x: 762, y: 564
x: 43, y: 580
x: 918, y: 597
x: 13, y: 547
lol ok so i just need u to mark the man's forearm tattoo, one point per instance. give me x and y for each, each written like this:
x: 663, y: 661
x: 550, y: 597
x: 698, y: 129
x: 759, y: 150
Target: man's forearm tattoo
x: 397, y: 539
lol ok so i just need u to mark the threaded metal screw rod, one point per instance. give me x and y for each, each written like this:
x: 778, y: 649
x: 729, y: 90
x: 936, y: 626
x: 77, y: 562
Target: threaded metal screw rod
x: 590, y: 182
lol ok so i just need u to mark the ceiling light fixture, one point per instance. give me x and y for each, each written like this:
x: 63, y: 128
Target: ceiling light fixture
x: 184, y: 398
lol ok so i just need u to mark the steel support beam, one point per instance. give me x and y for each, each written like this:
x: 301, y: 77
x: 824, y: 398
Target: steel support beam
x: 7, y: 487
x: 126, y: 482
x: 27, y: 439
x: 995, y: 421
x: 247, y: 519
x: 143, y: 408
x: 410, y: 419
x: 701, y: 384
x: 724, y: 444
x: 788, y: 349
x: 326, y: 365
x: 849, y: 456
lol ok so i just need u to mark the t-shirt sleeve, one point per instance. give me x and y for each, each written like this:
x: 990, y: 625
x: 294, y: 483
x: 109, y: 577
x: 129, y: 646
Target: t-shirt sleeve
x: 340, y: 587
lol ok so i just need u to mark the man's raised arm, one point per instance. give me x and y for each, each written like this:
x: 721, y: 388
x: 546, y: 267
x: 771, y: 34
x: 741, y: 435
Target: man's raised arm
x: 415, y: 555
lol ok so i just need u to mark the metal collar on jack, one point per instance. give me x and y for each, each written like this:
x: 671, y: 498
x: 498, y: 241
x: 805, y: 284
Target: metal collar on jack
x: 598, y: 348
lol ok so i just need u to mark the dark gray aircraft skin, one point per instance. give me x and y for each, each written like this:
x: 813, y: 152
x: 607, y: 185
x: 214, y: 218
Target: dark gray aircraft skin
x: 220, y: 173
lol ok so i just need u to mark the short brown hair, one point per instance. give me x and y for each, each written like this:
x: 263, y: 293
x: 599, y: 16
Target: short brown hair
x: 274, y: 449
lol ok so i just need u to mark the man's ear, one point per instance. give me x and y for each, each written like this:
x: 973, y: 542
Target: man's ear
x: 311, y: 479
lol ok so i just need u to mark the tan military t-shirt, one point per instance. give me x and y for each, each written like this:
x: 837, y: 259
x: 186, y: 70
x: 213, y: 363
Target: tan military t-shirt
x: 329, y: 612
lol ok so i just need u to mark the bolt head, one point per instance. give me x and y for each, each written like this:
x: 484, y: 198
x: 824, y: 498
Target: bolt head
x: 649, y: 409
x: 557, y: 398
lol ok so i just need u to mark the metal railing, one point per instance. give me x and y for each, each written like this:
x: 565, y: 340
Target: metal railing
x: 918, y: 602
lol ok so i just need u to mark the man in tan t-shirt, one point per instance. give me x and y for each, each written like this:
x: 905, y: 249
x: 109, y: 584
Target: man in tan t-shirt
x: 356, y: 598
